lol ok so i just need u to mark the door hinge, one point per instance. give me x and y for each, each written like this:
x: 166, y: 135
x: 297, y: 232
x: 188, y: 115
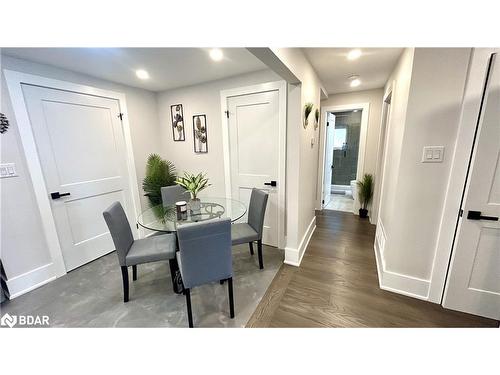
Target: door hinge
x: 120, y: 116
x: 323, y: 201
x: 461, y: 213
x: 327, y: 123
x: 227, y: 113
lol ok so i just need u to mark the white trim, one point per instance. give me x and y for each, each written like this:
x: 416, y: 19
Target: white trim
x: 397, y: 282
x: 14, y: 81
x: 471, y: 104
x: 365, y: 107
x: 294, y: 256
x: 381, y: 148
x: 281, y: 87
x: 30, y: 280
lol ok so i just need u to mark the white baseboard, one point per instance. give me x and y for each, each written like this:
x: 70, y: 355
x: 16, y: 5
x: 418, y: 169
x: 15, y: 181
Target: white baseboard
x: 28, y: 281
x: 294, y: 256
x: 399, y: 283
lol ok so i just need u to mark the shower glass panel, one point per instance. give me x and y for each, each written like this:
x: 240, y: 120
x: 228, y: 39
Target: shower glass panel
x: 346, y: 146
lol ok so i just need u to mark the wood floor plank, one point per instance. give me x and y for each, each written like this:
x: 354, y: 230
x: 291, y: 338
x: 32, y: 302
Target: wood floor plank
x: 337, y: 286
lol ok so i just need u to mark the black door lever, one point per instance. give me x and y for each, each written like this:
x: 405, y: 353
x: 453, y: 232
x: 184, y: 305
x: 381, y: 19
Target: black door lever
x: 272, y: 183
x: 476, y: 215
x: 57, y: 195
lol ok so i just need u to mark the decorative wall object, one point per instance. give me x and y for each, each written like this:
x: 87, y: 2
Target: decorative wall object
x: 308, y: 107
x: 177, y: 122
x: 316, y: 118
x: 4, y: 123
x: 200, y: 135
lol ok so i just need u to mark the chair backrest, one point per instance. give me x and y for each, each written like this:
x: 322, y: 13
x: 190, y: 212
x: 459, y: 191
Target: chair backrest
x: 205, y: 252
x: 257, y: 210
x: 119, y: 227
x: 172, y: 194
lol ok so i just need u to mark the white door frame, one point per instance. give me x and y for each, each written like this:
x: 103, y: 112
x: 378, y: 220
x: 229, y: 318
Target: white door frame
x: 471, y: 106
x: 14, y: 81
x: 281, y: 87
x: 381, y: 149
x: 365, y: 107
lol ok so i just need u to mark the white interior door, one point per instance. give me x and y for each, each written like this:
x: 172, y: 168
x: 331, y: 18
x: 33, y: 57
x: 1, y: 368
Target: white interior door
x: 254, y: 153
x: 327, y: 180
x: 473, y: 283
x: 82, y: 153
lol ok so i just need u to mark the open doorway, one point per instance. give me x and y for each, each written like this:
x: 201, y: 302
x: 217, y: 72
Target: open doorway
x: 345, y: 134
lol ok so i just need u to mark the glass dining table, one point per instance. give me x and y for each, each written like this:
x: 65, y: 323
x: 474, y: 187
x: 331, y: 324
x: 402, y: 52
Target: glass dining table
x: 163, y: 219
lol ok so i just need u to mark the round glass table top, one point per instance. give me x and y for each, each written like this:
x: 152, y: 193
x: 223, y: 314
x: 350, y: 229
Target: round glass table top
x: 164, y: 218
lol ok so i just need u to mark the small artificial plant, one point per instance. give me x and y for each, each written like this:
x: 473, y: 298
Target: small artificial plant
x: 193, y: 183
x: 159, y: 172
x: 308, y: 107
x: 316, y: 118
x: 365, y: 194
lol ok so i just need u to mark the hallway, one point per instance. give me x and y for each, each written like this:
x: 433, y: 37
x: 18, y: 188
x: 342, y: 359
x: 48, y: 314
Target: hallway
x: 336, y: 285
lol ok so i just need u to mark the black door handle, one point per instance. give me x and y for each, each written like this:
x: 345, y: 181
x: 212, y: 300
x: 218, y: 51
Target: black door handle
x: 476, y: 215
x: 57, y: 195
x: 272, y: 183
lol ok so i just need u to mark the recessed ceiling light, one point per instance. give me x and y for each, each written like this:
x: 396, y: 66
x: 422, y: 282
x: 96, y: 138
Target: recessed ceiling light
x: 216, y: 54
x: 142, y: 74
x: 354, y: 54
x: 355, y: 81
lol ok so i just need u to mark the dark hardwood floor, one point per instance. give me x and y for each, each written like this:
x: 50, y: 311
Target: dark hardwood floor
x: 336, y: 285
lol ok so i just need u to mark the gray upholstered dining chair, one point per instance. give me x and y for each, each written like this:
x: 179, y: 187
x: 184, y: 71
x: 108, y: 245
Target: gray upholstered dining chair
x: 133, y: 252
x: 252, y: 231
x: 172, y: 194
x: 205, y: 256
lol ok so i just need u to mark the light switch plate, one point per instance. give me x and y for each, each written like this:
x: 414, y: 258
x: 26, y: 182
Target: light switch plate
x: 8, y: 170
x: 433, y: 154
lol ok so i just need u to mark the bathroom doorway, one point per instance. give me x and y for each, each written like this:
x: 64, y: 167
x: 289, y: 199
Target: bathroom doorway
x: 345, y: 134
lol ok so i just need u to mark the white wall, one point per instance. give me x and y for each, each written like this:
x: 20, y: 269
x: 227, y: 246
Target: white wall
x: 302, y: 156
x: 426, y: 105
x: 374, y: 98
x: 202, y: 99
x: 23, y: 245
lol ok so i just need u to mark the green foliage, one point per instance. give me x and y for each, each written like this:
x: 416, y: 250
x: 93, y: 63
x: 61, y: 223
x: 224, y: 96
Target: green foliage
x: 365, y: 190
x: 308, y: 107
x: 193, y: 183
x: 159, y: 173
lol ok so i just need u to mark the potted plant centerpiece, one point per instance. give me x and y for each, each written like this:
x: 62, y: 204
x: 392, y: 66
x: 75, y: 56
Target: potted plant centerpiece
x: 365, y: 194
x: 194, y: 184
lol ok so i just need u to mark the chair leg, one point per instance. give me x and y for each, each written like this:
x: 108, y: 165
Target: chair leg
x: 125, y: 283
x: 250, y: 244
x: 231, y: 300
x: 259, y: 250
x: 134, y: 272
x: 188, y: 303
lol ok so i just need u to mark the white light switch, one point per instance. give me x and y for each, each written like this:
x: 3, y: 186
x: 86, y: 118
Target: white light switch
x: 8, y: 170
x: 433, y: 154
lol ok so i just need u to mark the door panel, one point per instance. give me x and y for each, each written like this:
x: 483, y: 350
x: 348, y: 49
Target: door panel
x: 473, y: 283
x: 254, y: 152
x: 81, y: 148
x: 327, y: 181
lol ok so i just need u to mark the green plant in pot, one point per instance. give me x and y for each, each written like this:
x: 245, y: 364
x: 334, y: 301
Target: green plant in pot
x: 365, y: 194
x: 194, y: 184
x: 159, y: 172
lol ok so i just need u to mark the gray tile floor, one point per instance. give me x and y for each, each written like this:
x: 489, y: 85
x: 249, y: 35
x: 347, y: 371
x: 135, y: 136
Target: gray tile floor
x: 92, y: 296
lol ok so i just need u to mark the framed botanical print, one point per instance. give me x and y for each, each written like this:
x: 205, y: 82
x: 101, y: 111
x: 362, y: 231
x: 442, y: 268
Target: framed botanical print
x: 177, y: 115
x: 200, y: 136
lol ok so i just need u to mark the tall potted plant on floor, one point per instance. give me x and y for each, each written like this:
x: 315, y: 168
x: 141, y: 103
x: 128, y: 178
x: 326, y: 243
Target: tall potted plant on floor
x: 194, y: 184
x: 159, y: 172
x: 365, y: 194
